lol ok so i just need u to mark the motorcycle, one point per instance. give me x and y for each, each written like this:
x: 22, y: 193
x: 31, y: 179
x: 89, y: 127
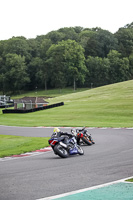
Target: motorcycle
x: 65, y: 146
x: 83, y: 137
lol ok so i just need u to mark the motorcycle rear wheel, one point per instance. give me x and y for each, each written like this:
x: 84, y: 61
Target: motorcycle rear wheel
x: 60, y: 151
x: 86, y: 140
x: 80, y: 150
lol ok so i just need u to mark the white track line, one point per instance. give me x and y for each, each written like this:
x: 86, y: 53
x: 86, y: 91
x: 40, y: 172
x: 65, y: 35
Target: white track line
x: 84, y: 190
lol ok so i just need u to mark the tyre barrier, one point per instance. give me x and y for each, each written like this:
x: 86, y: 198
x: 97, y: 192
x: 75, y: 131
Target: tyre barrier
x: 32, y: 110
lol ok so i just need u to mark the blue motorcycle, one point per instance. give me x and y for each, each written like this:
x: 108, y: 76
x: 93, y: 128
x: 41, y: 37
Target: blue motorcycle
x: 65, y: 146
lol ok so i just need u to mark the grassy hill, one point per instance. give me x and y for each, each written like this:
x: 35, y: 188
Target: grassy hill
x: 107, y: 106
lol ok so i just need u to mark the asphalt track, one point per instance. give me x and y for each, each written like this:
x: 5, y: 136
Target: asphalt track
x: 44, y: 175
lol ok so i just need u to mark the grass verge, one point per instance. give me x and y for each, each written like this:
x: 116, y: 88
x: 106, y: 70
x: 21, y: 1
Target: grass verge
x: 14, y: 145
x: 130, y: 180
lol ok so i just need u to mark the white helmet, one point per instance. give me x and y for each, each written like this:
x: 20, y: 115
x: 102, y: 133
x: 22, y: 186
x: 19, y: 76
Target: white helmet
x: 73, y: 131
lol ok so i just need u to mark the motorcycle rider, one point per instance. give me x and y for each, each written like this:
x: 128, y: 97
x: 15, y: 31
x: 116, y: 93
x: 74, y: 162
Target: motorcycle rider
x: 75, y: 133
x: 59, y: 134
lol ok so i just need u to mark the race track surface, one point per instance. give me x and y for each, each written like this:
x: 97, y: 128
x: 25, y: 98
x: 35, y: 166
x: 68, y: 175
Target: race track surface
x: 44, y: 175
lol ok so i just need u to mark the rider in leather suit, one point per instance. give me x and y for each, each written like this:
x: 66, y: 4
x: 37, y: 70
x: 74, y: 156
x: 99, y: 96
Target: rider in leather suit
x: 62, y: 135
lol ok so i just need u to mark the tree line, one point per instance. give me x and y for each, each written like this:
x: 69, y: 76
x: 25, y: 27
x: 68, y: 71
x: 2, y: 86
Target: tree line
x: 68, y: 57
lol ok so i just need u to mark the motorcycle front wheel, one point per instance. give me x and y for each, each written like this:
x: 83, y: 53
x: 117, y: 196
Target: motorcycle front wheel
x: 92, y: 142
x: 61, y: 151
x: 80, y: 150
x: 86, y: 140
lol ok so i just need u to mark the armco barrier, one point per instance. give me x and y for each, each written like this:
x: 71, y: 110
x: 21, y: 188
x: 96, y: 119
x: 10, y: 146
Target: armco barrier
x: 32, y: 110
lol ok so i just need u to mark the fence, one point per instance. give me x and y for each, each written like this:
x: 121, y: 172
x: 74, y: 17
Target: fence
x: 34, y: 109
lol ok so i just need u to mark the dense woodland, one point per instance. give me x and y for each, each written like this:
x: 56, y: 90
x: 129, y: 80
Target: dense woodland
x: 68, y: 57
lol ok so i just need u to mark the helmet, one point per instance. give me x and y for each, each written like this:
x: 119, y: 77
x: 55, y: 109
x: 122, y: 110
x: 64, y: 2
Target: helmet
x: 73, y: 131
x: 56, y: 130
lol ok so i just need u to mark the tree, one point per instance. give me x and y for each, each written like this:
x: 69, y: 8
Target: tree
x: 66, y: 63
x: 119, y: 67
x: 78, y: 29
x: 2, y: 75
x: 69, y: 33
x: 129, y: 25
x: 56, y: 66
x: 33, y: 48
x: 15, y: 76
x: 75, y: 61
x: 33, y: 69
x: 125, y: 41
x: 131, y: 65
x: 19, y: 46
x: 84, y: 37
x: 100, y: 43
x: 98, y: 71
x: 42, y: 75
x: 45, y: 45
x: 55, y: 36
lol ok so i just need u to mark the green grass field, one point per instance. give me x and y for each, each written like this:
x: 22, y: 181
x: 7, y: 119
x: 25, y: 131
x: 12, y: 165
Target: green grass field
x: 130, y: 180
x: 107, y: 106
x: 12, y: 145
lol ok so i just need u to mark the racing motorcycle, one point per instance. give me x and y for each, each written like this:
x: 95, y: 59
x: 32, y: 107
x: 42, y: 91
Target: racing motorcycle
x: 82, y: 136
x: 65, y: 146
